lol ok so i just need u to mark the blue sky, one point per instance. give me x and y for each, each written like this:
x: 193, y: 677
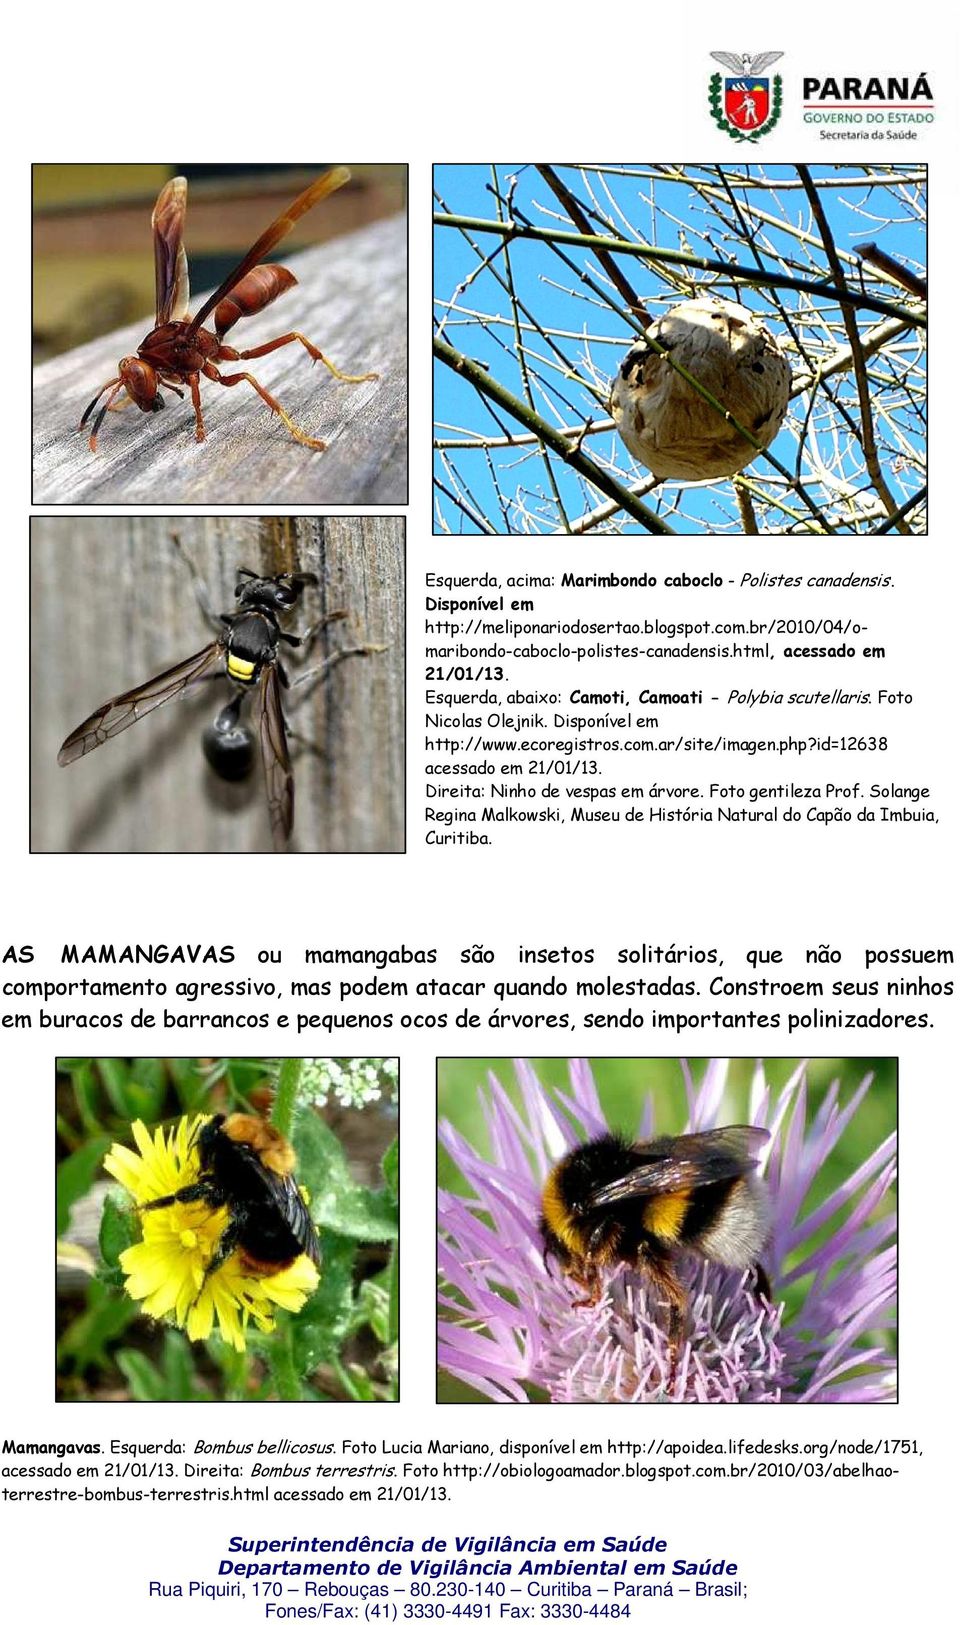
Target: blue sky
x: 745, y: 214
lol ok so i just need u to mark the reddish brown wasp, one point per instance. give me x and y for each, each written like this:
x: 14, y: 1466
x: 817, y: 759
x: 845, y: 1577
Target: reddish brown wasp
x: 178, y: 350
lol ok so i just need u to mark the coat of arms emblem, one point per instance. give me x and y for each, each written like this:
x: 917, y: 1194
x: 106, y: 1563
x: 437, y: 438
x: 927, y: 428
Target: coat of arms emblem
x: 746, y: 103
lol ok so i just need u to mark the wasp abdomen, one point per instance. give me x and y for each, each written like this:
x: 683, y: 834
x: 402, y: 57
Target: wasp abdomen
x: 254, y: 292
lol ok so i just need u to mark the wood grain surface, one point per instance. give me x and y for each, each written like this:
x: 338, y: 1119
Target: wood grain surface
x: 112, y: 604
x: 351, y: 301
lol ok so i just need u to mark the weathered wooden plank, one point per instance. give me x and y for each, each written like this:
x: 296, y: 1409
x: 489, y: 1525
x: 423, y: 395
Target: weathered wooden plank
x: 112, y: 604
x: 351, y: 301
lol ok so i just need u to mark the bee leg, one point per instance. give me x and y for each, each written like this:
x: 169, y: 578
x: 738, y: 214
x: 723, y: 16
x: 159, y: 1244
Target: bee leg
x: 588, y: 1277
x: 225, y: 1246
x: 200, y: 1192
x: 762, y: 1285
x: 660, y: 1271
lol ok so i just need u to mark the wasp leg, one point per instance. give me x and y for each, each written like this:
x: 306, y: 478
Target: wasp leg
x: 318, y: 355
x: 197, y: 409
x: 320, y: 673
x: 304, y: 639
x: 232, y: 378
x: 200, y: 590
x: 293, y: 738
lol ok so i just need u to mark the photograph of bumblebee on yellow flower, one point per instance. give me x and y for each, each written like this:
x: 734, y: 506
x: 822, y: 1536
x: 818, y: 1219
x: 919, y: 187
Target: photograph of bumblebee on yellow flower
x: 227, y: 1229
x: 680, y: 349
x: 654, y: 1231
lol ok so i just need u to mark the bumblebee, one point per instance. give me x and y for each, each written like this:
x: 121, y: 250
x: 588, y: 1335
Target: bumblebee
x: 646, y: 1204
x: 247, y: 1167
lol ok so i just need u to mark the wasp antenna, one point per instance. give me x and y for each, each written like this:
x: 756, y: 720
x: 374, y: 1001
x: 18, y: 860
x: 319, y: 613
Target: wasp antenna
x: 108, y: 385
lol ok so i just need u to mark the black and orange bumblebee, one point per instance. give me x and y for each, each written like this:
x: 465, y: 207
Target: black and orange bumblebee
x: 246, y: 652
x: 647, y: 1203
x: 248, y: 1167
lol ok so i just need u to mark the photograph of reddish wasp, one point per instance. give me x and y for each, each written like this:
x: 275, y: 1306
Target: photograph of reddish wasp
x: 246, y: 652
x: 179, y: 350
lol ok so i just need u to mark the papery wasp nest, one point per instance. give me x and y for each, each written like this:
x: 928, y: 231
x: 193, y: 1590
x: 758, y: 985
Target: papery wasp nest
x: 671, y: 429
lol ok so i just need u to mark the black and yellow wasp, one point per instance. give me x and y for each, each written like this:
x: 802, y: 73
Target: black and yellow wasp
x: 247, y: 652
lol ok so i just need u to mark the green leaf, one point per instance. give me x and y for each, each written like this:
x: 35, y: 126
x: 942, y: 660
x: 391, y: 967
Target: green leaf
x: 84, y: 1343
x: 85, y: 1093
x: 114, y: 1074
x: 336, y: 1201
x: 392, y: 1273
x: 191, y: 1090
x: 75, y: 1176
x: 147, y: 1089
x: 373, y: 1305
x: 118, y: 1229
x: 143, y: 1378
x: 356, y: 1212
x: 391, y: 1168
x: 358, y: 1385
x: 324, y: 1322
x: 179, y: 1371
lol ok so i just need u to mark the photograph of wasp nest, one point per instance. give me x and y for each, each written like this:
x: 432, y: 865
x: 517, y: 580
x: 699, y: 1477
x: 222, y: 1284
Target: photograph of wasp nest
x: 219, y: 334
x: 217, y: 684
x: 680, y: 349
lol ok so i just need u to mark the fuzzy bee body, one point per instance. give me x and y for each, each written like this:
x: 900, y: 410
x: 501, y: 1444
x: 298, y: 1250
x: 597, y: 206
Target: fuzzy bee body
x: 247, y: 1166
x: 644, y: 1204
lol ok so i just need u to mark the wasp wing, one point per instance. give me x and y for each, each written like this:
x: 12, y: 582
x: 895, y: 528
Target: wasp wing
x: 685, y: 1162
x: 274, y: 234
x: 125, y: 709
x: 276, y: 757
x: 170, y: 256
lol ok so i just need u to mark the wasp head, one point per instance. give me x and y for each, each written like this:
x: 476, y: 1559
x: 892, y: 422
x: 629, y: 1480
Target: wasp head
x: 142, y: 384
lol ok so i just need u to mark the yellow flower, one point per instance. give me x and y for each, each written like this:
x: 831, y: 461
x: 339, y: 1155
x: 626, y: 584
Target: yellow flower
x: 166, y: 1271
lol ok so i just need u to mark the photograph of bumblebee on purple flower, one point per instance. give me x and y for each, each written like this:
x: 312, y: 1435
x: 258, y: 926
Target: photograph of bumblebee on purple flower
x: 626, y: 1231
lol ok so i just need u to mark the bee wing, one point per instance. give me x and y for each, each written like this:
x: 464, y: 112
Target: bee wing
x: 285, y: 1192
x: 274, y: 234
x: 276, y: 757
x: 170, y: 256
x: 125, y: 709
x: 685, y: 1162
x: 297, y: 1215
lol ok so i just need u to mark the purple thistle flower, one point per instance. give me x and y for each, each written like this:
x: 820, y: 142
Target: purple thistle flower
x: 508, y: 1323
